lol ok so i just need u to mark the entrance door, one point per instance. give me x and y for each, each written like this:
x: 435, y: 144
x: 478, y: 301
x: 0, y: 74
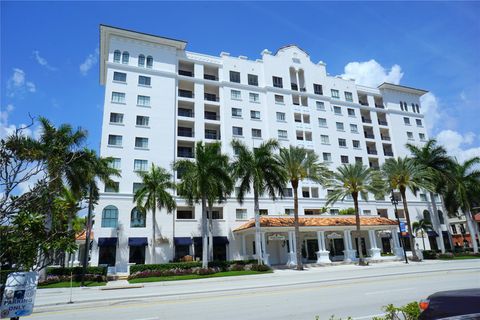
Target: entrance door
x: 137, y: 255
x: 312, y: 248
x: 386, y: 246
x: 336, y: 247
x: 219, y: 252
x: 106, y: 255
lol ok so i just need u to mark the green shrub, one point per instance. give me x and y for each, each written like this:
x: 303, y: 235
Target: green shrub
x: 447, y: 255
x: 164, y: 266
x: 4, y: 275
x: 429, y: 254
x: 348, y: 211
x: 76, y: 271
x: 237, y: 267
x: 260, y: 267
x: 410, y: 311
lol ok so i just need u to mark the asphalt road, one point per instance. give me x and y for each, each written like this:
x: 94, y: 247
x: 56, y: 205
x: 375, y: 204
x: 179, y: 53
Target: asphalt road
x: 318, y: 293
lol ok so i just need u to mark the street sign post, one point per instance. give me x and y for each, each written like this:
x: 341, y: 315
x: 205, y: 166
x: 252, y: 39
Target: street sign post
x: 19, y: 295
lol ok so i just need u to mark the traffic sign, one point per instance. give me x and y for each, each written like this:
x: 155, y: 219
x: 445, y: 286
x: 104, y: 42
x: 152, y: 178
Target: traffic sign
x: 19, y: 295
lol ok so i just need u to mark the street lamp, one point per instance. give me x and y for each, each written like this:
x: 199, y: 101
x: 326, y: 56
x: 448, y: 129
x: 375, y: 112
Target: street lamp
x: 395, y: 203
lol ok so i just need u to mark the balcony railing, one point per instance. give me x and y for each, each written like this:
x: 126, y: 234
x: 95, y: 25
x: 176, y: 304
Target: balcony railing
x: 296, y: 103
x: 211, y: 97
x: 365, y: 120
x: 303, y: 89
x: 210, y: 77
x: 388, y: 153
x: 212, y: 135
x: 379, y: 105
x: 383, y: 122
x: 369, y: 135
x: 186, y: 113
x: 185, y: 154
x: 294, y: 86
x: 211, y: 115
x: 185, y: 132
x: 371, y: 151
x: 386, y: 138
x: 185, y: 93
x: 363, y: 103
x: 185, y: 73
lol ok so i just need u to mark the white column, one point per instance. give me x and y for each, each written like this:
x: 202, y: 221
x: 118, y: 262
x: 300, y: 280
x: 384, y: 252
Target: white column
x: 374, y: 250
x: 322, y: 253
x: 244, y: 247
x: 264, y: 250
x: 292, y: 256
x: 349, y: 253
x: 397, y: 249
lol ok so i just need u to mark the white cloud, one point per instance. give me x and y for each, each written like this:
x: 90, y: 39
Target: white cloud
x: 371, y: 73
x: 5, y: 128
x: 89, y: 62
x: 457, y: 144
x: 42, y: 61
x: 17, y: 84
x: 429, y: 103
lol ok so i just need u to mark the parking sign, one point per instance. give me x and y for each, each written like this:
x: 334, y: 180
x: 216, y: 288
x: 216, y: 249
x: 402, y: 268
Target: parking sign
x: 19, y: 295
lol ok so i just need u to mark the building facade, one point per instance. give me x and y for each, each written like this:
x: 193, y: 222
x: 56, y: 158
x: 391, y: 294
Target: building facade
x: 160, y: 99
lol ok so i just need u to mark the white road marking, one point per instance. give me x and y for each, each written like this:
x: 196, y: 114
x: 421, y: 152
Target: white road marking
x: 370, y: 316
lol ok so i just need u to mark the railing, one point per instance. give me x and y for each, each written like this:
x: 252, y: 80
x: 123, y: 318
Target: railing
x: 186, y: 113
x: 185, y: 93
x: 388, y: 153
x: 185, y: 132
x: 210, y: 77
x: 365, y: 120
x: 185, y: 73
x: 369, y: 135
x: 363, y: 103
x: 296, y: 103
x: 211, y: 116
x: 211, y: 97
x: 383, y: 122
x: 211, y: 135
x: 386, y: 138
x: 294, y: 86
x: 303, y: 89
x: 185, y: 154
x: 380, y: 106
x: 370, y: 151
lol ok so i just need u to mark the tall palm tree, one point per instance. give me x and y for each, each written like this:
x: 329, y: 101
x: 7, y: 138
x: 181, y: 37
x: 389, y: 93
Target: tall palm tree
x: 465, y: 189
x: 435, y: 159
x: 258, y: 171
x: 301, y: 164
x: 201, y: 179
x: 423, y: 226
x: 403, y: 174
x: 154, y: 194
x: 354, y: 180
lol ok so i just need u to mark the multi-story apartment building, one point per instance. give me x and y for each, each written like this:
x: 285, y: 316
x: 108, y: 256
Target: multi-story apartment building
x: 160, y: 99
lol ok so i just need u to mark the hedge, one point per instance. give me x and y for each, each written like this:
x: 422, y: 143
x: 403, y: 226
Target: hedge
x: 224, y: 265
x: 429, y: 254
x: 52, y: 271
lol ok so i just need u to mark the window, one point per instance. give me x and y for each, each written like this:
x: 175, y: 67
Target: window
x: 280, y: 116
x: 110, y: 217
x: 337, y: 110
x: 335, y: 94
x: 136, y: 186
x: 334, y: 212
x: 236, y: 112
x: 141, y: 142
x: 114, y: 140
x: 216, y: 215
x: 359, y: 160
x: 317, y: 89
x: 314, y: 192
x: 256, y: 133
x: 351, y: 112
x: 143, y: 101
x: 235, y: 76
x: 263, y: 212
x: 344, y: 159
x: 367, y: 212
x: 320, y: 105
x: 137, y: 218
x: 116, y: 56
x: 406, y: 121
x: 149, y: 62
x: 348, y: 96
x: 419, y: 122
x: 342, y: 142
x: 119, y: 76
x: 144, y: 81
x: 237, y: 131
x: 454, y: 229
x: 236, y: 95
x: 410, y: 135
x: 282, y: 134
x: 142, y: 121
x: 423, y: 197
x: 327, y: 157
x: 125, y: 57
x: 324, y: 139
x: 185, y: 214
x: 140, y: 165
x: 277, y: 82
x: 418, y: 108
x: 254, y: 97
x: 353, y: 128
x: 305, y: 193
x: 112, y: 187
x: 253, y: 80
x: 279, y: 99
x: 115, y: 163
x: 339, y: 126
x: 288, y: 192
x: 405, y: 106
x: 356, y: 144
x: 322, y: 122
x: 118, y: 97
x: 401, y: 105
x: 241, y: 214
x: 255, y: 114
x: 289, y: 211
x: 141, y: 60
x: 421, y: 136
x: 116, y: 117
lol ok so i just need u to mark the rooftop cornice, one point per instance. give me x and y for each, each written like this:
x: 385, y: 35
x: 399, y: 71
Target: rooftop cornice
x: 397, y: 87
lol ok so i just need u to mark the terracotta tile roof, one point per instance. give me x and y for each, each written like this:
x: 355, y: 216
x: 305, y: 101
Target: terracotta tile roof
x: 81, y: 235
x: 477, y: 217
x: 317, y: 222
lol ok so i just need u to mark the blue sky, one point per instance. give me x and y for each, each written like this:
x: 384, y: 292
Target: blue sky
x: 49, y: 51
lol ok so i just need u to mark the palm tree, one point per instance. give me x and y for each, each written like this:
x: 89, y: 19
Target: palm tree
x: 201, y: 179
x: 403, y: 174
x: 300, y: 164
x: 260, y: 171
x: 423, y: 226
x: 354, y: 180
x: 154, y: 194
x: 435, y: 159
x: 465, y: 189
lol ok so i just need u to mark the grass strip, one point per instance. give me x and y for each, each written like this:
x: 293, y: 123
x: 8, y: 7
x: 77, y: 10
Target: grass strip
x: 196, y: 276
x: 66, y: 284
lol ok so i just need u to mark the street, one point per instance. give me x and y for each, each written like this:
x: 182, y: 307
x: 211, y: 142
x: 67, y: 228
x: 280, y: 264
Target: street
x: 343, y: 291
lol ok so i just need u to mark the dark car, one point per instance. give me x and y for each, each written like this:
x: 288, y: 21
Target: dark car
x: 461, y: 304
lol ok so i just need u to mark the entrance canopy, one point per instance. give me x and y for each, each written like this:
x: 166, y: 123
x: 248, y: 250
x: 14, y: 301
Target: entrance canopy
x: 183, y: 241
x: 216, y: 240
x: 336, y: 221
x: 137, y: 242
x: 105, y: 242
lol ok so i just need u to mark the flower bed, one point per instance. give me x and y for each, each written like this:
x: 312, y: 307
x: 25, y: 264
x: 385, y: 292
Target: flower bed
x: 56, y: 275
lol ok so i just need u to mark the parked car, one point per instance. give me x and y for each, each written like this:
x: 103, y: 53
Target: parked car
x: 459, y: 304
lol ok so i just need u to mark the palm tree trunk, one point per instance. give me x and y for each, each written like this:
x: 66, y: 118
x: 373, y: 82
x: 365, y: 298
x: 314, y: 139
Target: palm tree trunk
x: 410, y: 233
x: 154, y: 236
x: 297, y: 228
x: 88, y: 229
x: 436, y: 222
x: 471, y: 230
x: 210, y: 233
x: 204, y: 233
x: 258, y: 246
x: 69, y: 229
x: 361, y: 261
x: 450, y: 240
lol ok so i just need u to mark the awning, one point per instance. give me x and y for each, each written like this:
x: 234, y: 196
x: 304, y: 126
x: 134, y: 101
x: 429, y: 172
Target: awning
x: 137, y: 242
x: 216, y: 240
x: 432, y: 233
x: 105, y: 242
x: 183, y: 241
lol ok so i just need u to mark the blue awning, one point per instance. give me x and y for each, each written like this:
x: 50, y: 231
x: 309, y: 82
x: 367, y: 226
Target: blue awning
x: 105, y: 242
x: 432, y: 233
x: 183, y: 241
x: 137, y: 242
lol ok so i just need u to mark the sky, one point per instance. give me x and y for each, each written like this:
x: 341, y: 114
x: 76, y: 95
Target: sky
x: 49, y: 52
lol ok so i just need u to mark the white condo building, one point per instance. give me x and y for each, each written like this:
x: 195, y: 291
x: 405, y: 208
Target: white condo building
x: 160, y: 99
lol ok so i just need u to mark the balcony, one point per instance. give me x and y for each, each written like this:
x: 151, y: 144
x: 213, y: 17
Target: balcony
x: 210, y: 77
x: 372, y: 151
x: 185, y: 132
x: 185, y: 93
x: 383, y: 122
x: 294, y: 86
x: 303, y: 89
x: 185, y: 113
x: 185, y: 73
x: 388, y: 153
x: 363, y: 103
x: 379, y: 106
x: 184, y: 152
x: 385, y: 138
x: 211, y: 115
x: 366, y: 120
x: 369, y: 135
x: 212, y: 134
x: 211, y: 97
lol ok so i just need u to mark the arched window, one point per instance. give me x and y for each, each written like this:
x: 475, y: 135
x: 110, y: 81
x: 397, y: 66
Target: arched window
x: 125, y: 57
x: 110, y: 217
x: 141, y: 60
x: 116, y: 56
x: 426, y: 216
x: 137, y: 218
x: 149, y: 62
x: 440, y: 217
